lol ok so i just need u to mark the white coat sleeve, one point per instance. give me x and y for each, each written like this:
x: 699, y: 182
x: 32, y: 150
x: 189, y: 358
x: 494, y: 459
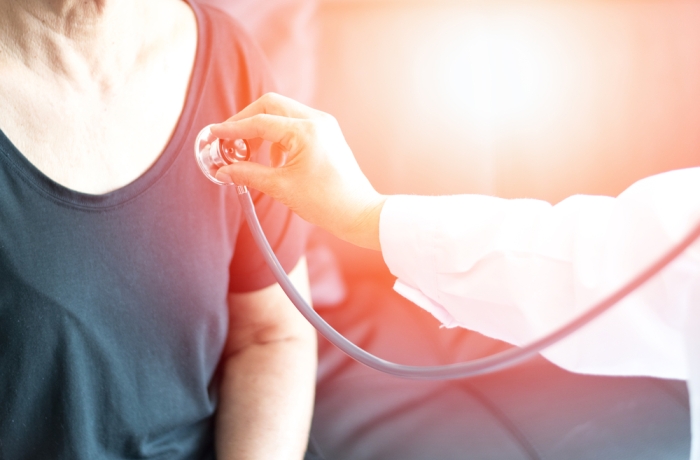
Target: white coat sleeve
x: 517, y: 269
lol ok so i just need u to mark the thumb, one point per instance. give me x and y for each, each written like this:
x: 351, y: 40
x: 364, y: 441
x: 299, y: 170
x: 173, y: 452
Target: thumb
x: 250, y: 174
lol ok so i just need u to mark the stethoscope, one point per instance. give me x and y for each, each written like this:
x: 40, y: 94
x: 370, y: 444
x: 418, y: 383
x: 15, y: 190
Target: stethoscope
x: 213, y: 153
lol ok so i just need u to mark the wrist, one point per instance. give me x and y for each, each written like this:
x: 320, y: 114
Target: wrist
x: 364, y: 231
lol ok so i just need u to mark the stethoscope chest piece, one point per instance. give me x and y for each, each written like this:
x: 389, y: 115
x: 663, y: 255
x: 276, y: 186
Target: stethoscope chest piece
x: 212, y: 153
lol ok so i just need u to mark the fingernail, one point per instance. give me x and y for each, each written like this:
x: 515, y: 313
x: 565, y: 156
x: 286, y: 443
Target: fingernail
x: 223, y: 177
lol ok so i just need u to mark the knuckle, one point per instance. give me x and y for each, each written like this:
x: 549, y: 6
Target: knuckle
x: 272, y: 101
x: 328, y: 118
x: 267, y: 97
x: 328, y: 122
x: 311, y: 128
x: 259, y: 118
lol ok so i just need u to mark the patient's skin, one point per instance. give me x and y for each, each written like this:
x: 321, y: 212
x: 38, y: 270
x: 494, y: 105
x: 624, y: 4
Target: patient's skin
x: 320, y: 179
x: 55, y: 80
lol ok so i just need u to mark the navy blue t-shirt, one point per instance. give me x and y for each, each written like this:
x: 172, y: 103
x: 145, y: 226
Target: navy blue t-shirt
x: 113, y: 312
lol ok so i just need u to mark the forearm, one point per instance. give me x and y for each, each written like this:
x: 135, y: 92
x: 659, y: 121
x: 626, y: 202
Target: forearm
x: 266, y: 400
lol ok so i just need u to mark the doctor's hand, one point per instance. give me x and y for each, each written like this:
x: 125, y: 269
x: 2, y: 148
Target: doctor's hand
x: 313, y: 170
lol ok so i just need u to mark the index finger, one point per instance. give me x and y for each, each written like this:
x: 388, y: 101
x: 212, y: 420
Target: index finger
x: 272, y: 128
x: 275, y: 104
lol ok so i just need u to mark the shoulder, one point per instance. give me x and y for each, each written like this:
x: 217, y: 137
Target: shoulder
x: 230, y: 54
x: 220, y: 24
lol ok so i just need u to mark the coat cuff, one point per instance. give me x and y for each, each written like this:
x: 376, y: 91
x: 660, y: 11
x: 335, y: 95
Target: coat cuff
x: 407, y: 227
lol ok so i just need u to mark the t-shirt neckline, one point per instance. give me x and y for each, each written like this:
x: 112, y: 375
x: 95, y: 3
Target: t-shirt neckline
x: 165, y: 160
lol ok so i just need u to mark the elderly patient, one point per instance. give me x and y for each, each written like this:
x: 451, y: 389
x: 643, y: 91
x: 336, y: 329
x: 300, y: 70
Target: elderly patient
x: 137, y: 319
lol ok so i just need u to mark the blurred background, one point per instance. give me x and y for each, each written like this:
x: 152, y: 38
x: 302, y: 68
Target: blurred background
x: 515, y: 98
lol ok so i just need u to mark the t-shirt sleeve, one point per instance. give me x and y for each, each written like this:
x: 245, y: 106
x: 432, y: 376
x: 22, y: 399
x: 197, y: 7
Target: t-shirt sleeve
x: 287, y: 234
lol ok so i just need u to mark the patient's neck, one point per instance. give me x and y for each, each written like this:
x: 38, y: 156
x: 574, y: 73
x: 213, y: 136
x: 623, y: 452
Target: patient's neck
x: 73, y: 39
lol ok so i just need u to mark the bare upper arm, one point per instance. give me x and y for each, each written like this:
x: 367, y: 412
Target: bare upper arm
x: 267, y: 315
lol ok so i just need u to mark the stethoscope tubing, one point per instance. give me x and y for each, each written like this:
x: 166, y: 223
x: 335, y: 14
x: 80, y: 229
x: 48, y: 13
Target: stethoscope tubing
x: 490, y: 364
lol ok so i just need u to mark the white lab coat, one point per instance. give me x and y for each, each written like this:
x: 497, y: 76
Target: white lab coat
x: 516, y: 269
